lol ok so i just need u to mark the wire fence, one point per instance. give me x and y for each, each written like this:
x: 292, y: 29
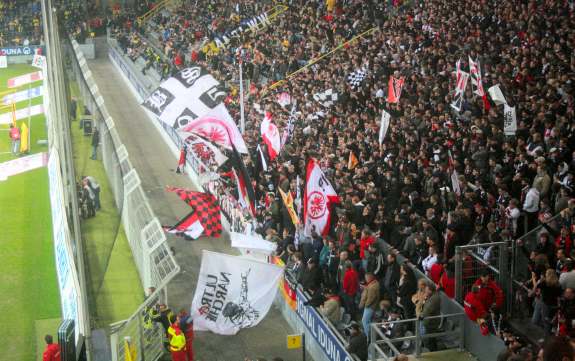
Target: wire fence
x: 154, y: 261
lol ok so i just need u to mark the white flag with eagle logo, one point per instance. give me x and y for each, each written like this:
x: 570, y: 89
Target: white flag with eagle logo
x: 319, y: 195
x: 233, y: 293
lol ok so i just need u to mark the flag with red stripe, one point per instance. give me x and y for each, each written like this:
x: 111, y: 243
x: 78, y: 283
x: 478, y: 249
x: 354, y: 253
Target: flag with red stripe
x: 189, y: 226
x: 246, y: 194
x: 206, y: 209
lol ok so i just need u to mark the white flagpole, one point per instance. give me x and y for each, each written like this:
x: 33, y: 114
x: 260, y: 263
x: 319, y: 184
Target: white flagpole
x: 242, y: 118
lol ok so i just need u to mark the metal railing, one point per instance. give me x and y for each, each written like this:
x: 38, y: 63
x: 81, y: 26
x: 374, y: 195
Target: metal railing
x: 472, y: 260
x: 411, y: 340
x: 154, y: 261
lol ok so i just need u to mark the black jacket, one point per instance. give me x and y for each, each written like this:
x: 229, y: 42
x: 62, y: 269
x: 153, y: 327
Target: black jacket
x: 358, y: 346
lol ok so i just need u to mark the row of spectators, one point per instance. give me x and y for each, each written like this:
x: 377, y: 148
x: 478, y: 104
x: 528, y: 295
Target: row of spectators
x: 20, y: 23
x: 402, y: 191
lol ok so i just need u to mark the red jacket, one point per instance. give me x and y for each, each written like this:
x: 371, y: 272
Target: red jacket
x: 474, y: 307
x: 564, y: 243
x: 350, y: 282
x: 448, y: 285
x: 435, y: 272
x: 490, y: 293
x: 52, y: 352
x: 364, y: 244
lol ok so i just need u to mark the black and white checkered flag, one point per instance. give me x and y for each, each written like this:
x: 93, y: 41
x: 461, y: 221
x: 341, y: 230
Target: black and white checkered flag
x: 355, y: 78
x: 327, y: 98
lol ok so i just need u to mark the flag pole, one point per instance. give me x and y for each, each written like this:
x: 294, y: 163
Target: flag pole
x: 242, y: 117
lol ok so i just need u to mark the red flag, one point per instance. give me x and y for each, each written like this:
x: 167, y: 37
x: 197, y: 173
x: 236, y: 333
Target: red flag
x: 318, y: 197
x: 189, y: 226
x: 206, y: 208
x: 271, y: 136
x: 394, y: 88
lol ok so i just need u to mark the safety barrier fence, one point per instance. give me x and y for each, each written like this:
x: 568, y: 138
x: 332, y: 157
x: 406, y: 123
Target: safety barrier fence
x: 154, y: 261
x: 389, y: 339
x: 472, y: 260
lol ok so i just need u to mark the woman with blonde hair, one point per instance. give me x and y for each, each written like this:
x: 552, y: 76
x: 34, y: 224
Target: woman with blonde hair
x: 547, y: 291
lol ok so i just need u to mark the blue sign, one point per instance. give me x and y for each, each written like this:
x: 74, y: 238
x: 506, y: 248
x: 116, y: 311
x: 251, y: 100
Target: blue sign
x: 19, y: 50
x: 320, y: 331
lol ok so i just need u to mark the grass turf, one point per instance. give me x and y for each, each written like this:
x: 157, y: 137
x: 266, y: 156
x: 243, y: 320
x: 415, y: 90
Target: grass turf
x: 28, y: 282
x: 114, y: 283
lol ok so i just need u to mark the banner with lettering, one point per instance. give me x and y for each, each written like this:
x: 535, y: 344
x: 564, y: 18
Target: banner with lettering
x: 510, y: 120
x: 233, y: 293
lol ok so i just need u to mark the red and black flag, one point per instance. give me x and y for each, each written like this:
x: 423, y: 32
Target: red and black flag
x: 205, y: 209
x: 189, y: 226
x: 246, y: 194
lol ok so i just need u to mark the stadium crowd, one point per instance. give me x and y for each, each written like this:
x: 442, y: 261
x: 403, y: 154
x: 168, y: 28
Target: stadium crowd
x: 20, y: 24
x: 403, y: 191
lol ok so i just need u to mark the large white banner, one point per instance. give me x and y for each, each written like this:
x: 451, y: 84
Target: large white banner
x: 191, y: 101
x: 233, y: 293
x: 510, y: 120
x: 22, y: 95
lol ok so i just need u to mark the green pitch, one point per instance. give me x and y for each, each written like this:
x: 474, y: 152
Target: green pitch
x: 28, y: 283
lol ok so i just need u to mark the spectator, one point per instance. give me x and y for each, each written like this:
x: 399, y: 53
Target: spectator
x: 566, y: 313
x: 558, y: 349
x: 15, y: 139
x: 391, y: 278
x: 474, y: 308
x: 349, y: 289
x: 567, y: 278
x: 369, y: 300
x: 490, y: 294
x: 52, y: 351
x: 357, y: 342
x: 95, y: 187
x: 310, y: 278
x: 429, y: 323
x: 95, y: 143
x: 331, y: 307
x: 547, y: 291
x: 407, y: 288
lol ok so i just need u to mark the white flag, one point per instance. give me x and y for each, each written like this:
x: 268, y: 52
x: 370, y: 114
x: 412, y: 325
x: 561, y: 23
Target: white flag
x: 253, y: 243
x: 262, y: 158
x: 233, y: 293
x: 383, y: 126
x: 203, y: 150
x: 319, y: 195
x: 455, y: 182
x: 462, y: 78
x: 496, y: 94
x: 510, y: 120
x: 271, y: 136
x: 476, y: 82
